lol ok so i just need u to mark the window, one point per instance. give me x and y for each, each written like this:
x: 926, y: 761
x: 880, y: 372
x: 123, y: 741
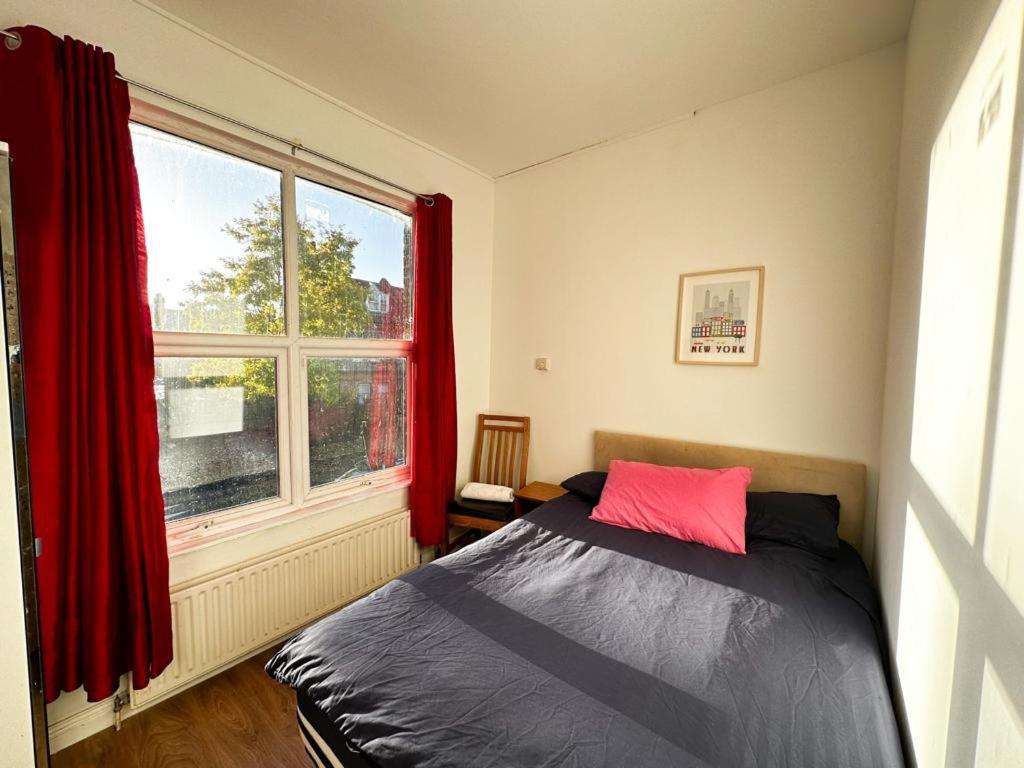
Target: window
x: 213, y: 236
x: 282, y: 316
x: 355, y: 265
x: 356, y: 416
x: 217, y: 418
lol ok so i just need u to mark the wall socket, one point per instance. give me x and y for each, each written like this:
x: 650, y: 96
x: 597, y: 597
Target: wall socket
x: 542, y: 363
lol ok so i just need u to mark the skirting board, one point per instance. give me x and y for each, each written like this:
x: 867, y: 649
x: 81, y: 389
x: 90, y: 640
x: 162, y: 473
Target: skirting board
x: 230, y: 616
x: 87, y: 721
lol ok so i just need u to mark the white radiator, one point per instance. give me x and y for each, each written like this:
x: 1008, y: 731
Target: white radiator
x: 223, y: 619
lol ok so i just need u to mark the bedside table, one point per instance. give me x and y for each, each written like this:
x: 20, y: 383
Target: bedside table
x: 533, y: 495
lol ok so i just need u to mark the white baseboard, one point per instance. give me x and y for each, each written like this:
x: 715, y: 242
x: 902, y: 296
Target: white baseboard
x: 82, y: 724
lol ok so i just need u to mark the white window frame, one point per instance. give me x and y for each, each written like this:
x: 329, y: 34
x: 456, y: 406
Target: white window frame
x: 291, y: 351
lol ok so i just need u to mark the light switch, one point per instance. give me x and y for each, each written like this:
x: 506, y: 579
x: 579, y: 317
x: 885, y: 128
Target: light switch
x: 542, y: 363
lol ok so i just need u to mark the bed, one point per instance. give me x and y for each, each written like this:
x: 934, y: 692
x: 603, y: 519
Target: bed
x: 560, y: 641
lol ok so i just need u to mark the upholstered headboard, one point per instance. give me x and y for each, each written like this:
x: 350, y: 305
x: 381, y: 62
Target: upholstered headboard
x: 773, y: 471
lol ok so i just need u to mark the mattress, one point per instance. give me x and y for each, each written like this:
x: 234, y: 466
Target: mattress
x: 324, y: 744
x: 560, y: 641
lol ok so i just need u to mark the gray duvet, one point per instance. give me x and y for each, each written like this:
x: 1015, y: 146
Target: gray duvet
x: 559, y: 641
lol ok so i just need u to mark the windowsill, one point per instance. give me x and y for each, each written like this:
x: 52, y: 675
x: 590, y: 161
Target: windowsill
x: 194, y: 534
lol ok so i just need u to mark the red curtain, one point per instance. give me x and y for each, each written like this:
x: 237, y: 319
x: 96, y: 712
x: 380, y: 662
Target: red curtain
x: 88, y: 352
x: 382, y: 448
x: 382, y: 444
x: 434, y: 433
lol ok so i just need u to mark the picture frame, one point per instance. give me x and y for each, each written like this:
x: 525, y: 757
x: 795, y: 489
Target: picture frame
x: 718, y: 320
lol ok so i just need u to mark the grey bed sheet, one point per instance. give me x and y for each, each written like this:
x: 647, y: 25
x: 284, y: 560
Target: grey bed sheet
x: 559, y: 641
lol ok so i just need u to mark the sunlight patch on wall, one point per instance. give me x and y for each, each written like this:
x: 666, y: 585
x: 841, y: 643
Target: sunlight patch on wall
x: 926, y: 646
x: 1000, y: 728
x: 1004, y: 538
x: 963, y: 242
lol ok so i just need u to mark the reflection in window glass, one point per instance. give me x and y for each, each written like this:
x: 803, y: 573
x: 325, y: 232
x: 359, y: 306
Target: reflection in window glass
x: 218, y: 432
x: 355, y: 265
x: 356, y: 416
x: 213, y: 236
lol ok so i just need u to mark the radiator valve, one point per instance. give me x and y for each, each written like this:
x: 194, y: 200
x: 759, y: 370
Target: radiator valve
x: 120, y: 702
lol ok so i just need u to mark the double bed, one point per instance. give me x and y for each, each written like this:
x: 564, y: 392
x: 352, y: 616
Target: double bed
x: 560, y: 641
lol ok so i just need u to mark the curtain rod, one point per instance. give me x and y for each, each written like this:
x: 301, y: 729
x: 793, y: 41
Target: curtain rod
x: 13, y: 42
x: 275, y: 137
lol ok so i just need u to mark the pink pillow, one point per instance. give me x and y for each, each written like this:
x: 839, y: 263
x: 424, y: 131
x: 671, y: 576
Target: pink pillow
x: 708, y: 506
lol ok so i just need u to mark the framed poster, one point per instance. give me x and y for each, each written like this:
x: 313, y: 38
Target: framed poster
x: 719, y: 320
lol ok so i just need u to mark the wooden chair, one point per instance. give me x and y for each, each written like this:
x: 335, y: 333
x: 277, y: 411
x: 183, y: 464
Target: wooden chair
x: 500, y: 456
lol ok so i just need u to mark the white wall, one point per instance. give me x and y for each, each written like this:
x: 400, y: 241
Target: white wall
x: 800, y: 178
x: 161, y: 51
x: 950, y: 529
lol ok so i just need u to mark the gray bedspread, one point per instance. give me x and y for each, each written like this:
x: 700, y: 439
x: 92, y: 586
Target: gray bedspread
x: 558, y: 641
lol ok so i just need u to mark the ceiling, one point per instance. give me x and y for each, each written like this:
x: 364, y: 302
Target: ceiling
x: 503, y: 84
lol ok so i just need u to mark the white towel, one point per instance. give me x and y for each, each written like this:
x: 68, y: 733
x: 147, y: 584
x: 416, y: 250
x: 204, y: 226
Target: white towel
x: 486, y: 492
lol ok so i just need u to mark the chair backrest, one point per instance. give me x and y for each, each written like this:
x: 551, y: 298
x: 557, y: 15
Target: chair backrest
x: 502, y: 450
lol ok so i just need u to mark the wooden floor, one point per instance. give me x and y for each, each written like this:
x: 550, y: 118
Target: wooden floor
x: 239, y: 718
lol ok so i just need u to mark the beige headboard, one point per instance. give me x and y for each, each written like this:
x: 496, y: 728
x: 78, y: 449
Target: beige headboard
x: 773, y: 471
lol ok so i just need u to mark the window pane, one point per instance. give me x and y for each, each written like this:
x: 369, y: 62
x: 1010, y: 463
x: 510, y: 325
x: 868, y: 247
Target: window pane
x: 218, y: 432
x: 356, y: 416
x: 213, y: 233
x: 355, y: 265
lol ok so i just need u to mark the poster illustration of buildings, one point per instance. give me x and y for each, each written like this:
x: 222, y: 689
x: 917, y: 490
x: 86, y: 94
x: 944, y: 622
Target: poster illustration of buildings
x: 720, y: 317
